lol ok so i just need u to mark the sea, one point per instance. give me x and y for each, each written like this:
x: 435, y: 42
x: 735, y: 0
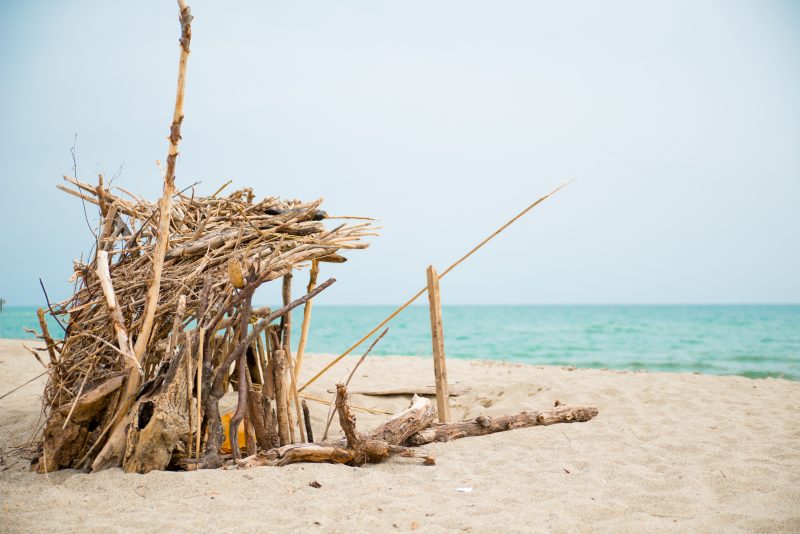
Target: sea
x: 755, y: 341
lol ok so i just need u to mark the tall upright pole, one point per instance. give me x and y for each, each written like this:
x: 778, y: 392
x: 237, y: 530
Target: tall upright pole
x: 437, y: 338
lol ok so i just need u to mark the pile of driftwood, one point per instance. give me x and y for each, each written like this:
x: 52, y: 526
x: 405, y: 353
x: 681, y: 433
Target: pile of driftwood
x: 161, y: 324
x: 123, y: 378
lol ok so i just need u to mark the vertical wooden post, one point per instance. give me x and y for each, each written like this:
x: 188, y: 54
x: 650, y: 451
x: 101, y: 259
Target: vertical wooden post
x: 437, y: 337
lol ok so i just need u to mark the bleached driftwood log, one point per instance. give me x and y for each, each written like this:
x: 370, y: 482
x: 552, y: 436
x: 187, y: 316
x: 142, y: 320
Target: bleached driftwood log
x: 161, y: 420
x: 62, y: 438
x: 488, y: 425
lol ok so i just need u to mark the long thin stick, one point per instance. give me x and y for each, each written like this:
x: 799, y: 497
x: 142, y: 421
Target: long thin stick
x: 353, y: 406
x: 200, y: 341
x: 424, y: 289
x: 301, y: 348
x: 165, y: 204
x: 331, y: 412
x: 437, y: 339
x: 297, y: 406
x: 4, y: 395
x: 189, y: 363
x: 46, y: 335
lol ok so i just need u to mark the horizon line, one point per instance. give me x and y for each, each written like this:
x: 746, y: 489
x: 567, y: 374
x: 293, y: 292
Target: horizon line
x: 423, y: 305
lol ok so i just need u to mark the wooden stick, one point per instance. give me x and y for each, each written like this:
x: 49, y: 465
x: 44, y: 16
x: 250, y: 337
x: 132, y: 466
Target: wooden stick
x: 189, y: 362
x: 357, y: 408
x: 134, y: 369
x: 301, y: 348
x: 173, y: 339
x: 307, y: 420
x: 117, y: 321
x: 165, y: 204
x: 286, y: 336
x: 200, y: 343
x: 46, y: 335
x: 452, y: 391
x: 296, y: 397
x: 421, y: 291
x: 437, y: 339
x: 281, y: 397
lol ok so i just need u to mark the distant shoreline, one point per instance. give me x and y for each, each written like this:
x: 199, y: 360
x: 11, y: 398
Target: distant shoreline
x: 748, y: 340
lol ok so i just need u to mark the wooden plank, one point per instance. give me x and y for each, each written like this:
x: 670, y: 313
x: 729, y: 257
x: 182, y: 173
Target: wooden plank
x: 452, y: 391
x: 437, y: 338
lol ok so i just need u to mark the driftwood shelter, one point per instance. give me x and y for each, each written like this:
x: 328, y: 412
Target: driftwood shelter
x: 161, y: 325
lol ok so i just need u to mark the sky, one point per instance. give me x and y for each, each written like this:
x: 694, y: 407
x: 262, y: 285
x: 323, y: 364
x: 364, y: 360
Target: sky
x: 679, y: 121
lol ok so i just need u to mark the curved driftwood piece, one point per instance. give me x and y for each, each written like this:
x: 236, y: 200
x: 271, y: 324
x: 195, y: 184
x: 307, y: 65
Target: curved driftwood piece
x: 489, y: 425
x: 297, y: 453
x: 160, y: 421
x: 65, y: 434
x: 398, y: 428
x: 113, y: 452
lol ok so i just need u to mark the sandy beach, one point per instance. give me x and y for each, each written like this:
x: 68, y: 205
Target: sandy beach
x: 668, y: 452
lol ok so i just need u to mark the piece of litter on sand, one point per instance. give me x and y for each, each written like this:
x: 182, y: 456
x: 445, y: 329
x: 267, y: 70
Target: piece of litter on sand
x: 464, y: 490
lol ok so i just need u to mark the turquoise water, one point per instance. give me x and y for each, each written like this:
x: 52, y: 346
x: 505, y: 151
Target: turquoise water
x: 749, y: 340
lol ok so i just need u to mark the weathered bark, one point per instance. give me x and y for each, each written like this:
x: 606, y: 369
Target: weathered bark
x: 249, y: 437
x: 397, y: 429
x: 270, y: 421
x: 488, y: 425
x: 299, y: 452
x: 113, y: 452
x: 437, y: 338
x: 281, y: 396
x: 256, y: 415
x: 159, y: 422
x: 65, y: 441
x: 61, y: 446
x: 307, y: 421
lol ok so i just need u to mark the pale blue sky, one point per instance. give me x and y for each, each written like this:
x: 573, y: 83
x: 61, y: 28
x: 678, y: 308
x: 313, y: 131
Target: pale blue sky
x: 680, y: 121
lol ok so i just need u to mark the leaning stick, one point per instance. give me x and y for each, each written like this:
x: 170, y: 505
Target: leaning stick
x: 357, y: 408
x: 46, y: 335
x: 125, y: 347
x: 104, y: 276
x: 297, y: 406
x: 424, y: 289
x: 200, y: 342
x: 165, y: 204
x: 307, y: 419
x: 286, y: 338
x: 301, y: 348
x: 189, y: 363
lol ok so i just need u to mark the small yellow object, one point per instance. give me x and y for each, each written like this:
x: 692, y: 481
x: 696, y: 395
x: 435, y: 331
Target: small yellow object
x: 235, y: 273
x: 226, y: 425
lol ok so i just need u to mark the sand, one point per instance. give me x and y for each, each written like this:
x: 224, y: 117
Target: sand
x: 668, y: 452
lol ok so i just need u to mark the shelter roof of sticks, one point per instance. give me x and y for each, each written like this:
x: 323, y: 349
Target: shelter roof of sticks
x: 209, y: 236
